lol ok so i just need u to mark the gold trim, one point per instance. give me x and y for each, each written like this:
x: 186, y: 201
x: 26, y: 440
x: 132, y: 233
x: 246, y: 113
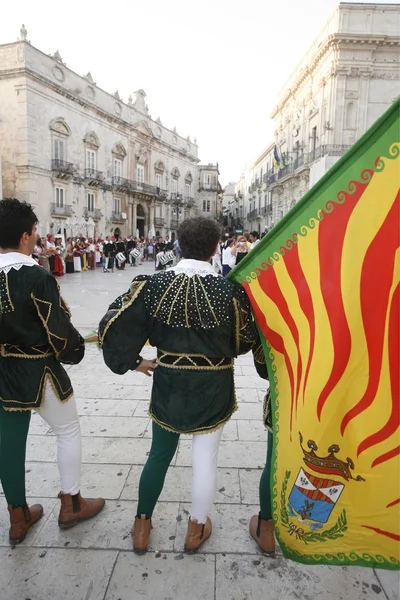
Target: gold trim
x: 135, y: 294
x: 46, y: 373
x: 7, y: 293
x: 237, y: 327
x: 45, y: 324
x: 199, y: 430
x: 174, y: 300
x: 208, y: 300
x: 6, y: 354
x: 165, y: 293
x: 194, y: 366
x: 259, y: 356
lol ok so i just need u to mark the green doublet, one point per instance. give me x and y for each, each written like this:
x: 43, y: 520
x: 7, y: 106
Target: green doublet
x: 199, y: 323
x: 36, y: 335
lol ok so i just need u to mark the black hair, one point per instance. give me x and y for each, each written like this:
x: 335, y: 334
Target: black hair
x: 16, y: 218
x: 255, y: 234
x: 198, y: 237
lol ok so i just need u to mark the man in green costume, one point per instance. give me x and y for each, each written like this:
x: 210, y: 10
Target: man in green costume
x: 199, y: 322
x: 36, y: 336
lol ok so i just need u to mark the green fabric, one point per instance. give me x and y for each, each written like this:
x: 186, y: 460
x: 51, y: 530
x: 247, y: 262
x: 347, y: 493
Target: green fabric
x: 34, y: 321
x: 151, y: 483
x: 14, y: 427
x: 265, y: 483
x: 181, y: 315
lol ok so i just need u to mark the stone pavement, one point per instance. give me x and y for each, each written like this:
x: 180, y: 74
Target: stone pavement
x: 94, y: 561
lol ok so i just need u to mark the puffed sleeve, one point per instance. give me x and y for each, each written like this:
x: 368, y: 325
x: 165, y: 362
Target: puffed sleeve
x: 245, y: 331
x: 125, y: 328
x: 67, y: 343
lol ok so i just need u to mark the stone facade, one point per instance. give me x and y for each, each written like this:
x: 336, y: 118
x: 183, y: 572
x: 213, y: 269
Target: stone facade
x: 90, y: 163
x: 346, y: 80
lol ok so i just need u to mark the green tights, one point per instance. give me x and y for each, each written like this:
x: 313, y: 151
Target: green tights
x: 14, y: 427
x: 265, y: 483
x: 151, y: 483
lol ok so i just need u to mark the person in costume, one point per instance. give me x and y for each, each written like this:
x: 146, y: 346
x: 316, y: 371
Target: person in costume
x: 36, y: 336
x: 130, y: 245
x: 109, y: 252
x: 199, y: 322
x: 262, y: 526
x: 121, y: 250
x: 59, y: 264
x: 69, y: 256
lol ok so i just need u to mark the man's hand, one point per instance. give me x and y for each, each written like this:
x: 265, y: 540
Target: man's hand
x: 147, y: 367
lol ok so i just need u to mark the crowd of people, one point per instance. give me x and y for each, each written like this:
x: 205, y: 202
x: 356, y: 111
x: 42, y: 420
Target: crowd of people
x: 81, y: 254
x: 115, y: 252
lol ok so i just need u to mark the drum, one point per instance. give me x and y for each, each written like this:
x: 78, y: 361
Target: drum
x: 121, y: 258
x: 166, y: 257
x: 135, y: 253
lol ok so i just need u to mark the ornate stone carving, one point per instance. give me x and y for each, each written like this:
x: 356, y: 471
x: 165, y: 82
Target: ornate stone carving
x: 117, y: 108
x: 188, y: 177
x: 159, y: 166
x: 141, y: 154
x: 91, y: 139
x: 158, y: 120
x: 57, y: 57
x: 175, y: 173
x: 58, y: 74
x: 116, y: 95
x: 90, y: 92
x: 23, y: 32
x: 119, y: 149
x: 130, y: 100
x: 60, y: 127
x: 89, y: 78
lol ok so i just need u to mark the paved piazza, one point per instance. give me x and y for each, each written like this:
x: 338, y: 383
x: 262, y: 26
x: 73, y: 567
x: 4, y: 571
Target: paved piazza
x: 95, y: 561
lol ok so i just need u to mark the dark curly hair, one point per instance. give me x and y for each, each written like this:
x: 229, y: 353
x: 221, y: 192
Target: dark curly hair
x: 198, y: 238
x: 16, y: 218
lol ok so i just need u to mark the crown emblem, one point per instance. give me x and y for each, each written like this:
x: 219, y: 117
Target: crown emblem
x: 329, y: 465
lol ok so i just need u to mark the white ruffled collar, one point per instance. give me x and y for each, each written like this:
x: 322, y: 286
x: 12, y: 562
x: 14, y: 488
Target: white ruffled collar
x: 191, y: 267
x: 16, y: 260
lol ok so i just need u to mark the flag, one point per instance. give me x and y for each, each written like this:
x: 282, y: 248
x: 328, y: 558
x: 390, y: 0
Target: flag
x: 324, y: 288
x: 276, y: 157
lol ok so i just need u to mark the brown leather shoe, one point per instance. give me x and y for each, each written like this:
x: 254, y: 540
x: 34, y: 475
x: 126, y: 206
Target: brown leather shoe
x: 75, y: 509
x: 22, y: 518
x: 262, y: 531
x: 141, y: 534
x: 196, y: 535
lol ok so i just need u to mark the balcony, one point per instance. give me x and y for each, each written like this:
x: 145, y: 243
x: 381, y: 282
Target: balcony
x: 174, y: 224
x: 118, y: 217
x: 189, y: 201
x: 95, y: 214
x: 159, y: 221
x: 62, y: 168
x: 176, y: 198
x: 143, y: 188
x: 161, y: 194
x: 208, y: 188
x: 94, y: 178
x: 61, y: 211
x: 122, y: 184
x: 254, y: 214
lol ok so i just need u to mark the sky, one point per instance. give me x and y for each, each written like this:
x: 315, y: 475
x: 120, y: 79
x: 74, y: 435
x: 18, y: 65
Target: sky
x: 211, y: 68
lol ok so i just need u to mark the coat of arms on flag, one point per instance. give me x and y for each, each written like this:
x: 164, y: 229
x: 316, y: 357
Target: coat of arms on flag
x: 324, y: 285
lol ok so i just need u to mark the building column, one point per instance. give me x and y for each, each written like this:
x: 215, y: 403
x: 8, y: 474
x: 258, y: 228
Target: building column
x: 134, y: 218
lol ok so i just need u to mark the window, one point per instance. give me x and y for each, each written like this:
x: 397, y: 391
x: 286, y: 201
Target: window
x: 117, y: 167
x: 91, y: 160
x: 59, y: 193
x: 206, y: 205
x: 59, y: 150
x: 188, y: 190
x: 158, y: 210
x: 117, y: 205
x: 159, y: 180
x: 91, y: 201
x: 174, y: 186
x: 139, y: 174
x: 207, y: 181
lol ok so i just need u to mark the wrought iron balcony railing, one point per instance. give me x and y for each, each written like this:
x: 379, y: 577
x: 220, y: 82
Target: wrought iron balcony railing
x: 62, y: 166
x: 61, y: 211
x: 93, y: 176
x: 121, y: 183
x: 118, y: 217
x: 96, y: 214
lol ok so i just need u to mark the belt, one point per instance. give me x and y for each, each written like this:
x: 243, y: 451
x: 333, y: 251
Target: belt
x: 12, y: 351
x: 197, y: 362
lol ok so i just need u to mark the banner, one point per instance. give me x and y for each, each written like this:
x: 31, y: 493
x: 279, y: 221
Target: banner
x: 324, y: 288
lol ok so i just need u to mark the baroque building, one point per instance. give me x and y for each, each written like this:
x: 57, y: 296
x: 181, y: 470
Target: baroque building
x: 90, y: 163
x: 346, y: 80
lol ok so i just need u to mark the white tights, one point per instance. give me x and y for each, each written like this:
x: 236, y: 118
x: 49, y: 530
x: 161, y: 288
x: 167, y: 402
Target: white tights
x: 204, y: 479
x: 64, y: 421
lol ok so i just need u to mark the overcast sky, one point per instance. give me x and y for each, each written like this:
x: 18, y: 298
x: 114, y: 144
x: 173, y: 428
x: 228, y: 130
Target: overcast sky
x: 211, y: 68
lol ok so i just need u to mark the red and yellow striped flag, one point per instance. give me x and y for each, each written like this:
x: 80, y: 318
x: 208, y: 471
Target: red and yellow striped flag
x: 324, y: 288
